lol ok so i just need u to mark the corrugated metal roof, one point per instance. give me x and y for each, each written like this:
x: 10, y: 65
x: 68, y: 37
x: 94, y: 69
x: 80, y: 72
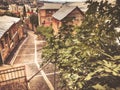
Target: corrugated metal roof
x: 81, y: 5
x: 6, y: 22
x: 63, y: 12
x: 51, y: 6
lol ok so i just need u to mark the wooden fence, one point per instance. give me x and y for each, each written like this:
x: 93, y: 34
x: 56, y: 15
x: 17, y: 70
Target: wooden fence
x: 13, y: 79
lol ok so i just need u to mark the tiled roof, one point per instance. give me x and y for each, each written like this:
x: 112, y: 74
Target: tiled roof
x: 6, y: 22
x: 63, y: 12
x: 51, y: 6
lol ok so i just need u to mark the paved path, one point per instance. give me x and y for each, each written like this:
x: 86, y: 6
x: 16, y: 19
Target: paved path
x: 29, y: 54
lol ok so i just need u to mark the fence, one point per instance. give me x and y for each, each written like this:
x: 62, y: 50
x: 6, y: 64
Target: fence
x: 13, y: 79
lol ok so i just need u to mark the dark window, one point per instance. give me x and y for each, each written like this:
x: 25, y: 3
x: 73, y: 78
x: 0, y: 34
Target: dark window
x: 6, y: 38
x: 10, y: 36
x: 2, y: 44
x: 49, y: 12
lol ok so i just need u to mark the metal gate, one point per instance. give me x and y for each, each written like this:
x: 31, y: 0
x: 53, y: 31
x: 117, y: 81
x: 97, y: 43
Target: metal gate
x: 13, y: 79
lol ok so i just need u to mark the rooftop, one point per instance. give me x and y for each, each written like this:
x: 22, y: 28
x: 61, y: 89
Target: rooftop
x: 81, y: 5
x: 63, y: 12
x: 51, y: 6
x: 6, y: 22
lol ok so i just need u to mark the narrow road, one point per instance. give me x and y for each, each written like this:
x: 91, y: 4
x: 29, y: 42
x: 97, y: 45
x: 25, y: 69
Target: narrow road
x: 29, y: 54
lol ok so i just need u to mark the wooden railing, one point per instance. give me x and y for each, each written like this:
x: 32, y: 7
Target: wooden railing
x: 13, y: 79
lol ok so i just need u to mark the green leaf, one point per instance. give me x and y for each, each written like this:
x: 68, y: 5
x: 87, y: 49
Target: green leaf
x: 107, y: 63
x: 99, y: 87
x: 89, y: 76
x: 107, y: 69
x: 117, y: 57
x: 114, y: 73
x: 80, y: 84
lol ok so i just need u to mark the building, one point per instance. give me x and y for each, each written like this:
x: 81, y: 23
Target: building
x: 19, y: 9
x: 13, y: 8
x: 34, y: 2
x: 46, y: 12
x: 11, y: 32
x: 16, y: 9
x: 67, y: 13
x: 2, y: 11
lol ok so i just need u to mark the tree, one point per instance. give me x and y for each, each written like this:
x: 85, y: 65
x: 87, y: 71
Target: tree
x: 46, y: 32
x: 34, y: 20
x: 89, y: 59
x: 24, y: 11
x: 118, y: 2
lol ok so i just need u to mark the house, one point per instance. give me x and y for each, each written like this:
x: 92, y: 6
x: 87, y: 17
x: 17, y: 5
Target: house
x: 2, y: 11
x: 45, y: 13
x: 11, y: 32
x: 16, y: 9
x: 13, y: 8
x: 19, y: 9
x: 34, y: 2
x: 67, y: 12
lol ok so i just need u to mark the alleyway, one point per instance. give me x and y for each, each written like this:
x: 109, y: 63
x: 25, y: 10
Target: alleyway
x: 29, y: 54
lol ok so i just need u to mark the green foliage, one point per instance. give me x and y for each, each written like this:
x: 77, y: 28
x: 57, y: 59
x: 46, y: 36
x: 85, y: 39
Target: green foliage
x: 34, y: 19
x: 89, y: 59
x: 47, y: 32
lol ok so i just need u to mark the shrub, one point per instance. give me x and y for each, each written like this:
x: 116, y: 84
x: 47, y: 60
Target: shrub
x: 46, y: 32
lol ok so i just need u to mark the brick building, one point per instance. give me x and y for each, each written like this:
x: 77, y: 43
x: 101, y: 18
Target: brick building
x: 46, y: 12
x: 11, y: 32
x: 67, y: 13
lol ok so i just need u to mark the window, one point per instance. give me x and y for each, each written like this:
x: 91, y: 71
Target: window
x: 49, y: 12
x: 10, y: 36
x: 49, y: 19
x: 6, y: 38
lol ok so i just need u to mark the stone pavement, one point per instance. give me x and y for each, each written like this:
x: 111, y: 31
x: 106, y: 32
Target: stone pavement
x: 28, y: 55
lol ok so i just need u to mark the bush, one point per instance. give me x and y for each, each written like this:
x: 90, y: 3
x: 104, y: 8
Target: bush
x: 46, y: 32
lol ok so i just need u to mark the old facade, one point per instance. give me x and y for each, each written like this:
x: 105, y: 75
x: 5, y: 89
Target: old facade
x: 46, y: 12
x: 14, y: 8
x: 11, y: 32
x: 72, y: 13
x: 19, y: 9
